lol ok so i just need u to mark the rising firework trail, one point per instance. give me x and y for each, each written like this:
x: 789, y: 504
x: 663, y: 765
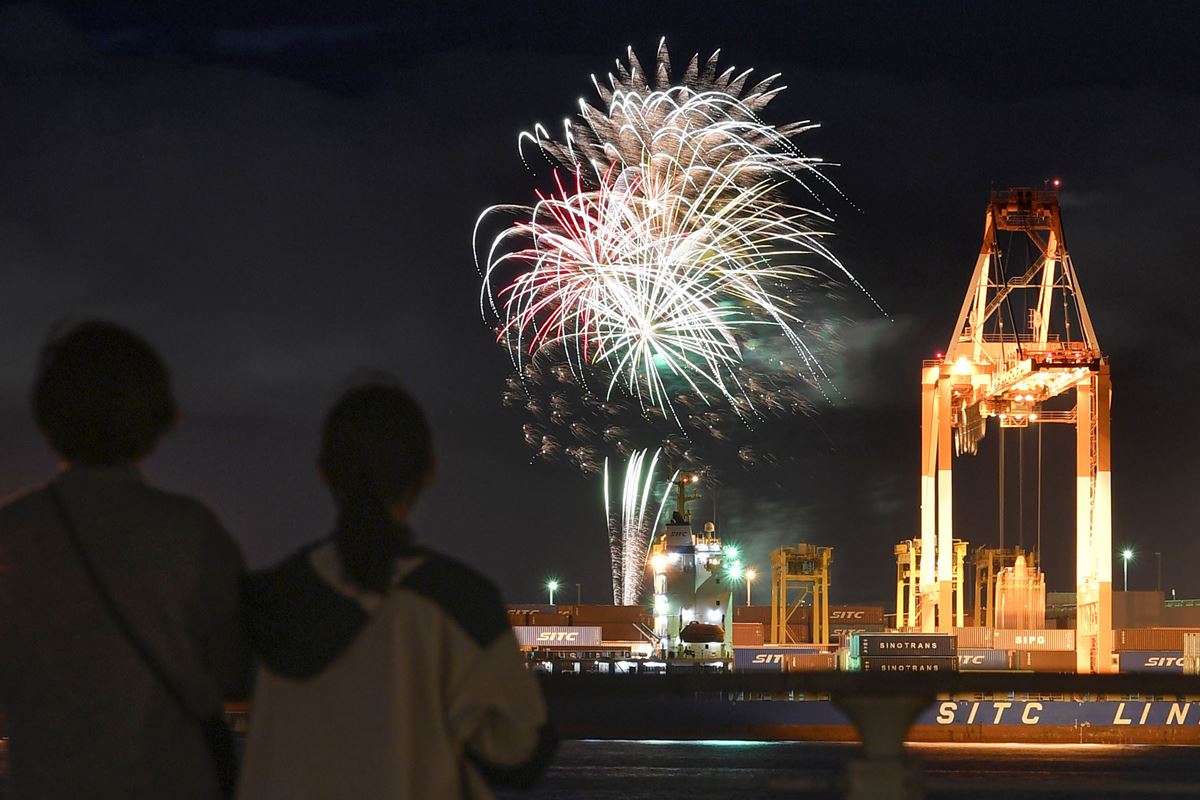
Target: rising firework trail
x: 630, y: 525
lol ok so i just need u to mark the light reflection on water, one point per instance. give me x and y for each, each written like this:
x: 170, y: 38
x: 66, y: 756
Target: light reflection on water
x: 708, y: 770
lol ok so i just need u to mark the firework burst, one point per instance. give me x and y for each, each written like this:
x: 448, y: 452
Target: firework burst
x: 651, y: 297
x: 668, y: 245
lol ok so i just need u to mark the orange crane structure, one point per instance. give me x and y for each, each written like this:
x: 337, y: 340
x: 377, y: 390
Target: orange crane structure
x: 1023, y: 337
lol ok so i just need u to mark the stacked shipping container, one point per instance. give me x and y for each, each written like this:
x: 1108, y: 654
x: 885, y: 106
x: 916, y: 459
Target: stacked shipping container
x: 842, y: 620
x: 1154, y: 649
x: 1029, y: 649
x: 902, y: 652
x: 1191, y: 653
x: 748, y: 634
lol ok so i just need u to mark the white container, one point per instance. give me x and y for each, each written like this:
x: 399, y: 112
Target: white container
x: 1034, y: 639
x: 1191, y: 645
x: 557, y: 635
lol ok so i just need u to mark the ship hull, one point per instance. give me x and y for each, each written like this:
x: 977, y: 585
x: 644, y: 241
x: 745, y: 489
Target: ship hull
x: 983, y: 721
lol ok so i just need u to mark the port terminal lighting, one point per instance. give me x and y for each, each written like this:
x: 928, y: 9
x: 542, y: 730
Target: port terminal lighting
x: 1126, y: 557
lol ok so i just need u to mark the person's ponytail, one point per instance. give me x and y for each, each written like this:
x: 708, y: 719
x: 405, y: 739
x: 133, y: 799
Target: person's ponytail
x: 367, y: 539
x: 376, y: 450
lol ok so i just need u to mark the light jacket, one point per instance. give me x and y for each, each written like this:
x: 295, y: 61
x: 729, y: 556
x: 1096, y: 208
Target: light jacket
x: 417, y: 693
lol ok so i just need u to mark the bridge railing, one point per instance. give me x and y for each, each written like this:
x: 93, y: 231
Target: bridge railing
x: 882, y: 708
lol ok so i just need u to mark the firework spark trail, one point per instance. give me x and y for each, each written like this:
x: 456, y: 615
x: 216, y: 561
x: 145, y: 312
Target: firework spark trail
x: 670, y: 243
x: 629, y: 527
x: 662, y: 277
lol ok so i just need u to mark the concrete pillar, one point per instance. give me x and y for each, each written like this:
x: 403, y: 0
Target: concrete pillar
x: 883, y: 772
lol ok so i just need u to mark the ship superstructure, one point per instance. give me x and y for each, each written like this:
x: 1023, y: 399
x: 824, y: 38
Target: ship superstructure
x: 692, y: 576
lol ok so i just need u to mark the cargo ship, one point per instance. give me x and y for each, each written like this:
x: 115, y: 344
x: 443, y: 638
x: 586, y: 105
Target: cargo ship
x: 620, y: 639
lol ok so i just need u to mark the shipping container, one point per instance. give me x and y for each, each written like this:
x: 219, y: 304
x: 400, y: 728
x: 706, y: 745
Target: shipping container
x: 597, y: 615
x: 908, y: 663
x: 796, y: 634
x: 809, y: 662
x: 1150, y: 638
x: 529, y: 608
x: 767, y: 659
x: 550, y: 618
x: 844, y: 627
x: 903, y: 644
x: 1191, y: 665
x: 516, y: 618
x: 1152, y: 661
x: 1044, y: 660
x: 856, y: 615
x: 752, y: 614
x: 1033, y: 639
x: 798, y: 616
x: 972, y: 660
x: 1191, y: 644
x: 748, y: 634
x: 975, y: 638
x: 621, y: 632
x: 1178, y: 617
x: 557, y: 636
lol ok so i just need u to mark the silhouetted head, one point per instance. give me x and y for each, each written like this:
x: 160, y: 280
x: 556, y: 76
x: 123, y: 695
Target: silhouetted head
x: 376, y: 456
x: 102, y: 395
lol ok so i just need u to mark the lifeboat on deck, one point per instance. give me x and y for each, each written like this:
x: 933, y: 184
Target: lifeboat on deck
x: 699, y: 633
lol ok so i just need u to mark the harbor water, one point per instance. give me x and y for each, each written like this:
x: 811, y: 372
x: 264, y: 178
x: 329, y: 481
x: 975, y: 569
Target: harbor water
x: 666, y: 770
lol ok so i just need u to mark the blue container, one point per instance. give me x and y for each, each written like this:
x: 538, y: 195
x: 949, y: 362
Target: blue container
x: 765, y: 659
x: 1152, y: 661
x: 969, y: 660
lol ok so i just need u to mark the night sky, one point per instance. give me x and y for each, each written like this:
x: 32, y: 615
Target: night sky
x: 283, y: 198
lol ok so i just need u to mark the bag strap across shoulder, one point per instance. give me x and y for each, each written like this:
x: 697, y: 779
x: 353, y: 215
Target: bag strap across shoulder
x: 114, y: 612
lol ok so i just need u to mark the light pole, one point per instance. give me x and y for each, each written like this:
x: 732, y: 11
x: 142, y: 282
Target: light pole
x: 551, y: 586
x: 1126, y: 557
x: 750, y: 576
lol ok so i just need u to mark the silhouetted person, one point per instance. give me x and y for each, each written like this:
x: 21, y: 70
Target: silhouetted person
x: 86, y: 716
x: 389, y: 671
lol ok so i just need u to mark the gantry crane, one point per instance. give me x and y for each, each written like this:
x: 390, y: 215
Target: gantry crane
x: 1004, y: 365
x: 798, y: 574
